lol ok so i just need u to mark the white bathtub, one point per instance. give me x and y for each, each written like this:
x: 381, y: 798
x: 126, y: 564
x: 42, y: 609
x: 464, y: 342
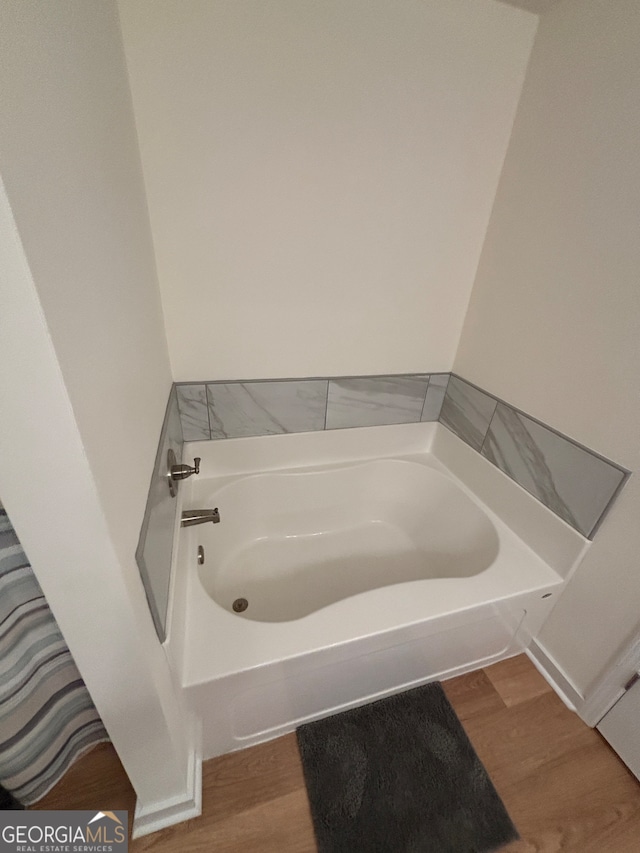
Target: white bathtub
x: 367, y: 566
x: 292, y: 543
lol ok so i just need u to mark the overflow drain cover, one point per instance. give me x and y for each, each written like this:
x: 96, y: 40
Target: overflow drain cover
x: 240, y: 605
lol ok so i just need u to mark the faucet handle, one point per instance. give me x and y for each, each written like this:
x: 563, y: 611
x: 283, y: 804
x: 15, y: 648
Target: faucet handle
x: 181, y: 472
x: 177, y: 472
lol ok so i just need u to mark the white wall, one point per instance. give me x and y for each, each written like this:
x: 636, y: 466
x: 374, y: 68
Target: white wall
x: 71, y: 167
x: 85, y: 372
x: 320, y: 175
x: 554, y: 320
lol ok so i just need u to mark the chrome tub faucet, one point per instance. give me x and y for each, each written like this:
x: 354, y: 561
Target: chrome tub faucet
x: 199, y: 516
x: 176, y: 472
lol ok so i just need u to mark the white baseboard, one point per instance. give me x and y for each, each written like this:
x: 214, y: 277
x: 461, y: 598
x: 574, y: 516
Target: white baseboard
x: 151, y: 818
x: 555, y: 675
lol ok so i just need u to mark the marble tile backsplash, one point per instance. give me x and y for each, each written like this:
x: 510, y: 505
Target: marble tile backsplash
x: 436, y: 391
x: 467, y: 411
x: 545, y: 464
x: 240, y: 409
x: 573, y: 482
x: 155, y: 546
x: 375, y: 401
x: 214, y: 410
x: 192, y: 402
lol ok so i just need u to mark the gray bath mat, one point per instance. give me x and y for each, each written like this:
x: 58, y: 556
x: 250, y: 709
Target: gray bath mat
x: 400, y: 776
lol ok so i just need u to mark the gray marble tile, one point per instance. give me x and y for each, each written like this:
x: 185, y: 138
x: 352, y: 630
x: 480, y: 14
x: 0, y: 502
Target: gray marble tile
x: 375, y: 401
x: 568, y: 479
x: 173, y: 425
x: 435, y: 396
x: 192, y: 402
x: 239, y: 409
x: 467, y: 411
x: 155, y: 546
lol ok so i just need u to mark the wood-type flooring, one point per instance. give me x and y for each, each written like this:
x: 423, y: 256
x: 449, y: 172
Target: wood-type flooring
x: 565, y: 789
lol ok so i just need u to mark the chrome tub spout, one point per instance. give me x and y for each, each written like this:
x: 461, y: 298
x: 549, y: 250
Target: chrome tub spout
x: 199, y: 516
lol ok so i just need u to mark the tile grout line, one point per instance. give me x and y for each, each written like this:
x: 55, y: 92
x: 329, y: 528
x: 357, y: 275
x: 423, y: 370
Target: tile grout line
x: 484, y: 439
x: 326, y: 405
x: 446, y: 391
x: 424, y: 402
x: 206, y: 397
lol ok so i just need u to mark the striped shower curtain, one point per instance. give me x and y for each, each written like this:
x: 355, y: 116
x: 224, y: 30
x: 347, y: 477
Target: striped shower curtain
x: 47, y: 718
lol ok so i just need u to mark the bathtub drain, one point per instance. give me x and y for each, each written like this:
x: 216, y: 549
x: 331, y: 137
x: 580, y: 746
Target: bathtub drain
x: 240, y: 605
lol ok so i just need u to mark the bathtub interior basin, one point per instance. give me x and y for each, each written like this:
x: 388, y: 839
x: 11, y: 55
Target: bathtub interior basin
x: 290, y: 543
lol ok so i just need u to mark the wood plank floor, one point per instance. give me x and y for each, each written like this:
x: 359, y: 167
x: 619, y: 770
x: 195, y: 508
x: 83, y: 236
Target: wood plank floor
x: 565, y: 789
